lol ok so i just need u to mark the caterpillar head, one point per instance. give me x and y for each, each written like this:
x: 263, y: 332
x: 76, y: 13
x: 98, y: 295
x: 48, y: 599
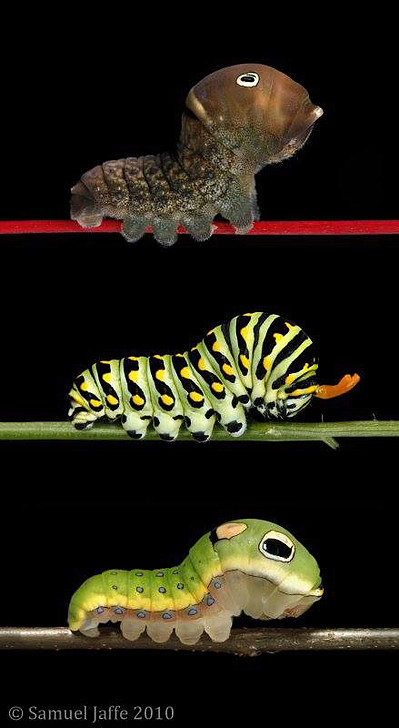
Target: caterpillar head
x: 283, y: 578
x: 284, y: 409
x: 289, y: 392
x: 256, y: 111
x: 293, y: 396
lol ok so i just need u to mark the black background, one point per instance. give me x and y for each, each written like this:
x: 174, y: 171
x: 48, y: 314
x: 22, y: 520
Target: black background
x: 79, y: 92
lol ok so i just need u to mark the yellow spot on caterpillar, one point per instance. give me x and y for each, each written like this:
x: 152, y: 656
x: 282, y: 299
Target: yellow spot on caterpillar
x: 157, y: 356
x: 111, y: 399
x: 133, y: 376
x: 244, y: 360
x: 103, y: 361
x: 288, y: 325
x: 178, y: 354
x: 133, y: 358
x: 166, y: 399
x: 298, y: 392
x: 290, y: 378
x: 267, y: 362
x: 227, y: 369
x: 76, y: 397
x: 278, y: 337
x: 185, y: 372
x: 248, y: 314
x: 83, y: 387
x: 160, y: 374
x: 210, y: 332
x: 196, y: 397
x: 95, y: 402
x: 244, y: 333
x: 137, y: 399
x: 217, y: 387
x: 216, y: 346
x: 107, y: 377
x: 201, y: 364
x: 228, y: 530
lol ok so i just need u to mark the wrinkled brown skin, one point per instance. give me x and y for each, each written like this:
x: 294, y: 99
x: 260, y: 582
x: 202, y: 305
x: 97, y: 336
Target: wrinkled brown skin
x: 229, y: 132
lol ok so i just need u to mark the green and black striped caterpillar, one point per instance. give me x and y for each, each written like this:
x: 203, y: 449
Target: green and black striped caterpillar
x: 246, y: 565
x: 255, y: 360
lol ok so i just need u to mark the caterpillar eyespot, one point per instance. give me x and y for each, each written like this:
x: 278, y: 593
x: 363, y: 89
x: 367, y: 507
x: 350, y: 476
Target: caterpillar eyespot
x: 220, y: 578
x: 227, y: 136
x: 255, y: 360
x: 248, y: 79
x: 277, y: 546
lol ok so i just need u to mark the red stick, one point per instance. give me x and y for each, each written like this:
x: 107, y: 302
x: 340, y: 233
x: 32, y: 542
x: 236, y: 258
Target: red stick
x: 290, y: 227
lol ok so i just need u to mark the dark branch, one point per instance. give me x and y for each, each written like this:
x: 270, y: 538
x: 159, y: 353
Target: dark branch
x: 248, y: 642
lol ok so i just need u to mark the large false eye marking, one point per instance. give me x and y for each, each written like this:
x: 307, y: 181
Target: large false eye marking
x: 277, y: 546
x: 228, y: 530
x: 248, y: 79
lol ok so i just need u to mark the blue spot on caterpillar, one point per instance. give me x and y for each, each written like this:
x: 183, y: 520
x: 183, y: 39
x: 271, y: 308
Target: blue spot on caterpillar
x: 247, y: 565
x: 236, y: 121
x: 256, y: 360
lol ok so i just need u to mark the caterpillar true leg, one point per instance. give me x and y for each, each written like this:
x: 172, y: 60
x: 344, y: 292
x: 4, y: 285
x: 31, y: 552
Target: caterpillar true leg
x: 248, y: 565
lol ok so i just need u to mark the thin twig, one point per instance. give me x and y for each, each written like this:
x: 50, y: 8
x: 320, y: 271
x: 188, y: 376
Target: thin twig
x: 256, y: 431
x: 269, y: 227
x: 249, y: 642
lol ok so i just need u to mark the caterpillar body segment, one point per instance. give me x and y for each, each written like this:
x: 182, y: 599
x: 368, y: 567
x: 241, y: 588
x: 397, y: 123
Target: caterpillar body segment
x: 248, y: 565
x: 256, y: 360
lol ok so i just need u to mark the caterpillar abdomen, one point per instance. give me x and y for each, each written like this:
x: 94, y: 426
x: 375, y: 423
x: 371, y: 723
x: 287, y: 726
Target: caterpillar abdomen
x: 256, y: 360
x: 235, y: 121
x: 151, y: 190
x: 188, y: 617
x: 248, y: 565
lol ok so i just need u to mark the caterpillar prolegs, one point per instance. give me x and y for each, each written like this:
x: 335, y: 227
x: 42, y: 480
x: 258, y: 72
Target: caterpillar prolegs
x: 246, y: 565
x: 235, y: 121
x: 256, y: 360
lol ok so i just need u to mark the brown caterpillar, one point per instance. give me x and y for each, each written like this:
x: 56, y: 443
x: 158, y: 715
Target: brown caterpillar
x: 235, y: 121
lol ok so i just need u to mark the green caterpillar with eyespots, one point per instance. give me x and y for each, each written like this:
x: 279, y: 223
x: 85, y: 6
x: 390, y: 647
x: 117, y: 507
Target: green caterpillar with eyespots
x: 245, y: 565
x: 255, y: 360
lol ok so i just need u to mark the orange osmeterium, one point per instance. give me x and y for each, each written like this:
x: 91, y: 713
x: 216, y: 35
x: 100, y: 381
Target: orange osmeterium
x: 328, y: 391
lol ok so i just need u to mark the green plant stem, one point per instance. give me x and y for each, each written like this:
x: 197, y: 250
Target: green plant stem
x: 257, y: 431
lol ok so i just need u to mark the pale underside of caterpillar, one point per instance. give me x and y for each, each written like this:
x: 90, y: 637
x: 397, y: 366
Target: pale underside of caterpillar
x: 236, y: 121
x: 246, y: 565
x: 256, y: 360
